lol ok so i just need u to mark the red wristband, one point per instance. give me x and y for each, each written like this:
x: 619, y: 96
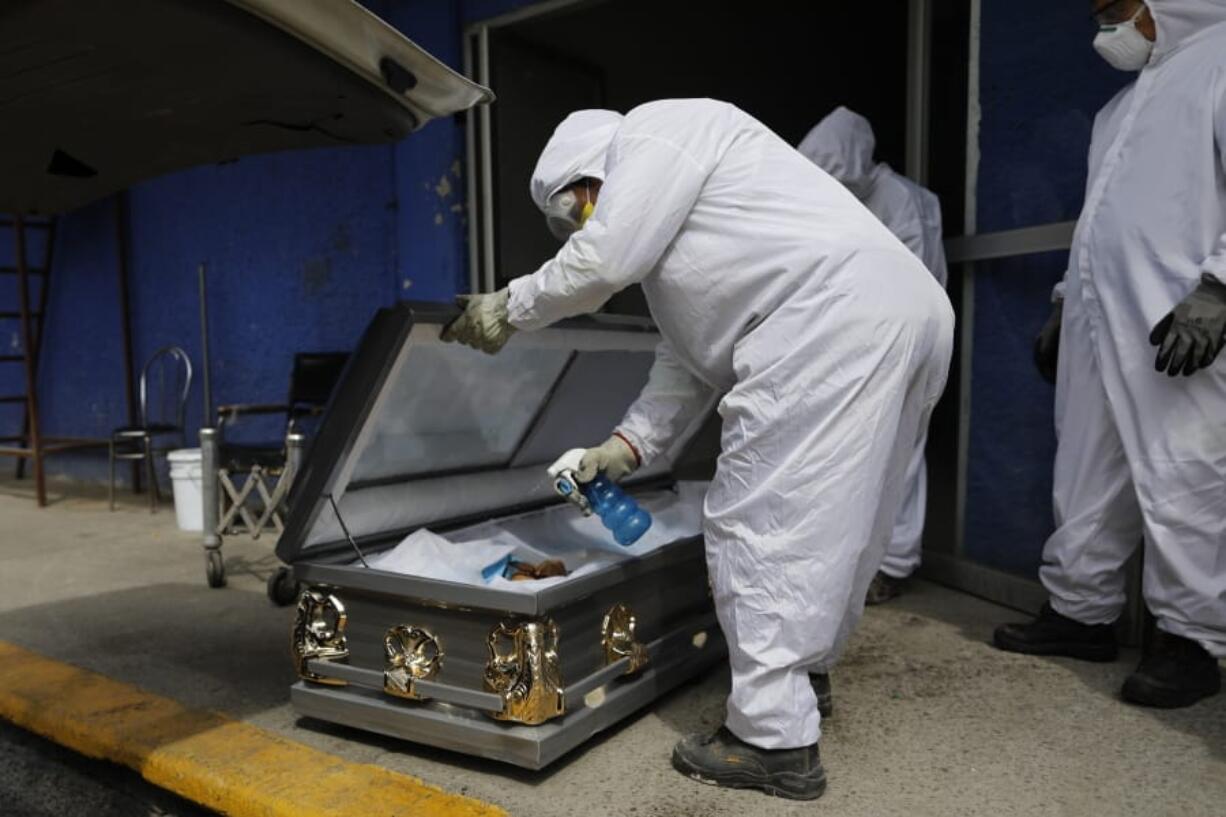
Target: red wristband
x: 638, y: 458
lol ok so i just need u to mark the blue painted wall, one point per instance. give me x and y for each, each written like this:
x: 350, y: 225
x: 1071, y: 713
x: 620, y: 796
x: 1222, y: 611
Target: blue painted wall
x: 1040, y: 86
x: 430, y: 256
x: 301, y: 248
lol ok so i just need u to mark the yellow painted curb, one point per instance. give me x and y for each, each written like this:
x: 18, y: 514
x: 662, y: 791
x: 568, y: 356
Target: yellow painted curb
x: 218, y: 762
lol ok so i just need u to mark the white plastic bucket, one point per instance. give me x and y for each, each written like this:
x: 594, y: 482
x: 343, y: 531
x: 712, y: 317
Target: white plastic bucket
x: 185, y: 476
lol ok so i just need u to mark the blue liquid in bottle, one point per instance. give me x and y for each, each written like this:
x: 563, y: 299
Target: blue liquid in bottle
x: 617, y: 510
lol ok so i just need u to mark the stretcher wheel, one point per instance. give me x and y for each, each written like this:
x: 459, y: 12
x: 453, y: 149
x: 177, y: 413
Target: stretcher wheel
x: 215, y: 567
x: 282, y: 589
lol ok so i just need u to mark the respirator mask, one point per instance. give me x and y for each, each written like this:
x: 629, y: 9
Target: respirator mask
x: 1121, y: 44
x: 566, y: 213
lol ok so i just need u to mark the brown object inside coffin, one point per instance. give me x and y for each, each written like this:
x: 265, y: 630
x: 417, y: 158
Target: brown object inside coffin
x: 526, y: 571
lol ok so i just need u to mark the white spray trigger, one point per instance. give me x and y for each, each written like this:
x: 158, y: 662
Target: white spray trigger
x: 565, y: 484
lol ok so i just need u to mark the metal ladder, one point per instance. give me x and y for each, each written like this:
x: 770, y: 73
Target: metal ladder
x: 31, y: 444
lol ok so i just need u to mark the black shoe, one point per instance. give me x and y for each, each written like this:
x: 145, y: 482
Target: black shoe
x: 1175, y: 672
x: 723, y: 759
x: 825, y: 697
x: 883, y: 588
x: 1053, y: 634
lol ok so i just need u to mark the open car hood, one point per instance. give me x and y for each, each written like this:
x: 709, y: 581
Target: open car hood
x: 98, y: 94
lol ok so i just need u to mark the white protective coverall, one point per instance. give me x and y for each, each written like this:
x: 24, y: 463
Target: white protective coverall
x: 1142, y: 453
x: 830, y: 343
x: 842, y: 144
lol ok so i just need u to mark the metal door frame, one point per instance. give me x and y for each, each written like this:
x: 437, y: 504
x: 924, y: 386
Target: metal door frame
x: 479, y: 139
x: 954, y: 568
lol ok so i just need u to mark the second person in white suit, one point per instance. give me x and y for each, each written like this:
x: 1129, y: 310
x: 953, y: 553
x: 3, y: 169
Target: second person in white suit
x: 842, y: 144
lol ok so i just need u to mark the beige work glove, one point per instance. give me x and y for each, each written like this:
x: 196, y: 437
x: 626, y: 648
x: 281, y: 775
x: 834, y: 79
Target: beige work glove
x: 615, y: 457
x: 484, y: 324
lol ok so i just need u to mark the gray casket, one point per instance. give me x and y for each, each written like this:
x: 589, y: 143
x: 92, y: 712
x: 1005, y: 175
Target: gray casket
x: 432, y: 457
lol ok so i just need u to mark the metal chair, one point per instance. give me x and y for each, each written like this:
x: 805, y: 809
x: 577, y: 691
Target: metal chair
x: 172, y: 370
x: 246, y: 484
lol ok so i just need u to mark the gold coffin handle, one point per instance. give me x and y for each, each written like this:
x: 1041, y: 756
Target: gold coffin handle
x: 526, y: 674
x: 318, y: 633
x: 413, y: 654
x: 617, y: 638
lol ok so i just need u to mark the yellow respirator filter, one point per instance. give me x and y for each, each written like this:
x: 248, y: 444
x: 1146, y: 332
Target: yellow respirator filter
x: 564, y: 215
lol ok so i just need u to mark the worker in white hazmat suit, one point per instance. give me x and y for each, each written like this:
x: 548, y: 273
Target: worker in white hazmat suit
x: 1142, y: 453
x: 829, y: 342
x: 842, y: 144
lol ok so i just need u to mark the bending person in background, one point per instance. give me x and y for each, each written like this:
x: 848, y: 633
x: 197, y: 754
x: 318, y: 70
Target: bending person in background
x: 830, y: 343
x: 1142, y: 453
x: 842, y: 144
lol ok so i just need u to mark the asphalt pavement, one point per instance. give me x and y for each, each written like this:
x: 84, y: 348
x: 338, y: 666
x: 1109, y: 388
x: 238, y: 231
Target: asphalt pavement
x: 40, y: 779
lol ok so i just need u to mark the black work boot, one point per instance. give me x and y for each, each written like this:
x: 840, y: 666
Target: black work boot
x: 1174, y: 672
x: 723, y: 759
x: 883, y: 588
x: 1053, y: 634
x: 825, y: 696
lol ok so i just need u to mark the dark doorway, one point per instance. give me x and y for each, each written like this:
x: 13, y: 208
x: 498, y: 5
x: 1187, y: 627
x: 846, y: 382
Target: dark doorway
x: 788, y: 64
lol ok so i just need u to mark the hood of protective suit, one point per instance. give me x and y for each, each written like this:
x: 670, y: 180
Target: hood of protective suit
x: 842, y: 144
x: 576, y: 150
x: 1180, y: 20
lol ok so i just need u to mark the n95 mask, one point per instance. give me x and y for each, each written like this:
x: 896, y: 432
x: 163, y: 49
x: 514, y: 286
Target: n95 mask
x: 1123, y: 46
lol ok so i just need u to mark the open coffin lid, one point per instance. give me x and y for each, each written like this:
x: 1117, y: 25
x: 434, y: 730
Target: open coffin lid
x: 98, y: 95
x: 426, y: 434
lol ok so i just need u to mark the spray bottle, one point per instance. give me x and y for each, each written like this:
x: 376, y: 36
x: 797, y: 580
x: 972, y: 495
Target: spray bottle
x: 616, y: 509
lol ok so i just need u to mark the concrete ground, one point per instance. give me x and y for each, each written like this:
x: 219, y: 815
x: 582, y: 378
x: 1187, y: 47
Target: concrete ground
x: 929, y: 719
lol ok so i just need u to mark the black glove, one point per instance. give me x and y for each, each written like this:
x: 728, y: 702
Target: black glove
x: 1191, y: 335
x: 1047, y: 343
